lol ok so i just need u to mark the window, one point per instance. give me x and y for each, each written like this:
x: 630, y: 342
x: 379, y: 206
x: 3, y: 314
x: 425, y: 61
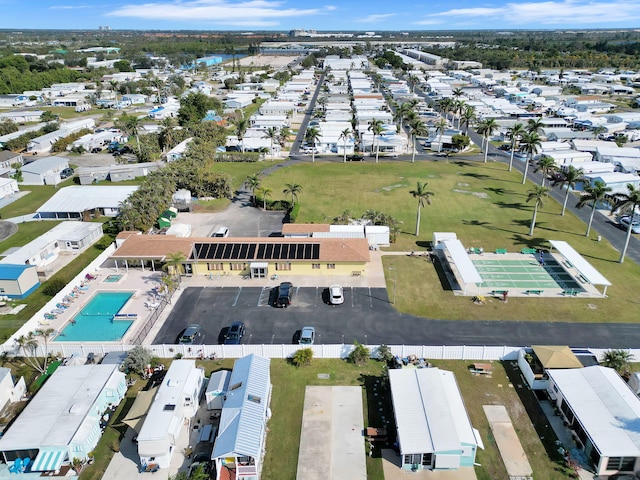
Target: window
x: 283, y: 266
x: 426, y: 459
x: 237, y: 266
x: 412, y: 459
x: 624, y: 464
x: 215, y: 266
x: 254, y: 398
x: 331, y: 266
x: 315, y: 266
x: 555, y: 388
x: 235, y: 386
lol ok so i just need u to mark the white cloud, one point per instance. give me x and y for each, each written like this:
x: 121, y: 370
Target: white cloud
x: 243, y: 13
x: 375, y: 18
x: 567, y: 12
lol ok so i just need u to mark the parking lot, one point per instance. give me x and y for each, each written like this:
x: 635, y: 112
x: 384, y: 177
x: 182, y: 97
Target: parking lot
x: 366, y: 315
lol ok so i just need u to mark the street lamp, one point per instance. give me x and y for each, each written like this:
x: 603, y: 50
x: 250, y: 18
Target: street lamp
x: 395, y: 283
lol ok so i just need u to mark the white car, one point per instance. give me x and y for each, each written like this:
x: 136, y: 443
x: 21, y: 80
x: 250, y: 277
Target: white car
x: 635, y: 226
x: 307, y: 336
x: 336, y: 296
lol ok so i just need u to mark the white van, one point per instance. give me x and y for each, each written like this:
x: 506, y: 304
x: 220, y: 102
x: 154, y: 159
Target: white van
x: 222, y: 232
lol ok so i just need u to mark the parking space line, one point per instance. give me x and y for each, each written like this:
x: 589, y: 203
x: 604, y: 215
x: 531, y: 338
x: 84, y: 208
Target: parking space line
x: 370, y: 298
x: 352, y: 298
x: 317, y: 290
x: 235, y: 301
x: 261, y: 301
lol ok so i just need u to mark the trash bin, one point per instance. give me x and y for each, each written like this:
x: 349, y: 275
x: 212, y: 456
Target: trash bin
x: 599, y: 238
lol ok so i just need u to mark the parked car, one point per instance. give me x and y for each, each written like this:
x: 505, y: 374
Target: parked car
x: 336, y: 296
x: 506, y: 147
x: 190, y: 335
x: 96, y: 150
x: 66, y: 172
x: 123, y: 150
x: 222, y: 232
x: 355, y: 158
x: 635, y: 225
x: 285, y: 290
x: 235, y: 334
x: 113, y: 146
x: 307, y: 336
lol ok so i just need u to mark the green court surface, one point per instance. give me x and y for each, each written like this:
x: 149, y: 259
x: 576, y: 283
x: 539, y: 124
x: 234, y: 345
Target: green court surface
x: 526, y: 274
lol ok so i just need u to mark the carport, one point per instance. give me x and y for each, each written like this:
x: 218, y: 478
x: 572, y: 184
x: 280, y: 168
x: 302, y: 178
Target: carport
x: 586, y: 272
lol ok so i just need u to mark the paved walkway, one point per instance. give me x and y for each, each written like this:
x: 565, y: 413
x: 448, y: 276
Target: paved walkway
x: 513, y: 455
x: 392, y: 470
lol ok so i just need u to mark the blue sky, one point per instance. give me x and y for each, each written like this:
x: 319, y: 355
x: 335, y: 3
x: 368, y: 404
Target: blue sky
x: 247, y: 15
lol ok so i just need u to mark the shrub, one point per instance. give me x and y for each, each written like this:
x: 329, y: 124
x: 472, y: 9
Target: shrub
x: 360, y: 354
x: 53, y: 286
x: 137, y: 359
x: 293, y: 214
x: 384, y: 354
x: 302, y: 357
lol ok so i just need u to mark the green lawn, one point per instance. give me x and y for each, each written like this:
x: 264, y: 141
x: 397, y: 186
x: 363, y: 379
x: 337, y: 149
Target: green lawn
x: 486, y: 206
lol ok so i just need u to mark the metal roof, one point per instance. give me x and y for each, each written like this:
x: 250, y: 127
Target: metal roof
x: 12, y: 272
x: 429, y: 411
x: 463, y: 263
x: 79, y: 198
x: 244, y: 415
x: 592, y: 275
x: 58, y: 411
x: 45, y: 165
x: 606, y: 407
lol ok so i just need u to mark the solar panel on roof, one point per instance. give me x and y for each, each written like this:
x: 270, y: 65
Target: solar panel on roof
x: 299, y: 252
x: 219, y: 252
x: 228, y: 248
x: 268, y: 252
x: 307, y: 251
x: 252, y: 251
x: 261, y: 248
x: 243, y: 250
x: 236, y: 251
x: 276, y: 251
x: 284, y: 252
x: 315, y: 252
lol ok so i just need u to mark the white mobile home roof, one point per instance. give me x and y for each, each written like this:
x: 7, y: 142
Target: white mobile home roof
x: 45, y: 165
x: 71, y: 231
x: 242, y: 422
x: 429, y: 411
x: 606, y: 407
x: 180, y: 378
x: 60, y: 407
x: 79, y: 198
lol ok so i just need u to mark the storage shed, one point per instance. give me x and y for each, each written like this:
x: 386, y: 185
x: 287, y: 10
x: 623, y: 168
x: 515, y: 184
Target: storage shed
x: 217, y: 389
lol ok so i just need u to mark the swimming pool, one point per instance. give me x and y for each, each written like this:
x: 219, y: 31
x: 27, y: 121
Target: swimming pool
x: 113, y: 278
x: 95, y: 321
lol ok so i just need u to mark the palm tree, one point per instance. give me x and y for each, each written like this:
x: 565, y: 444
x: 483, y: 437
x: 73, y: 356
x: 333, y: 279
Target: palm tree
x: 401, y: 112
x: 538, y: 193
x: 311, y: 136
x: 468, y: 117
x: 292, y: 189
x: 241, y: 125
x: 441, y: 127
x: 569, y: 178
x: 417, y: 128
x: 545, y: 165
x: 266, y: 192
x: 445, y: 106
x: 535, y: 125
x: 515, y: 134
x: 284, y: 135
x: 29, y: 345
x: 114, y: 87
x: 376, y: 127
x: 626, y: 203
x: 530, y: 144
x: 486, y: 128
x: 593, y: 194
x: 424, y: 196
x: 457, y: 92
x: 45, y: 333
x: 271, y: 134
x: 619, y: 360
x: 175, y: 263
x: 345, y: 135
x: 253, y: 182
x: 166, y: 134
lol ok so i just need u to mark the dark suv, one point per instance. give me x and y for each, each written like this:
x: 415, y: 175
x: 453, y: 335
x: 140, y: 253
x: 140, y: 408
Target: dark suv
x: 285, y: 291
x: 355, y: 158
x: 234, y: 334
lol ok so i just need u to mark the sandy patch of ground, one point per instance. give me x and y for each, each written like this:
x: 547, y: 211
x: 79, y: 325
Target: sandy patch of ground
x: 275, y: 61
x: 477, y: 194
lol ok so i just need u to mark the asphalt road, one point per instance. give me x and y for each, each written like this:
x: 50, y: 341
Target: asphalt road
x: 367, y: 316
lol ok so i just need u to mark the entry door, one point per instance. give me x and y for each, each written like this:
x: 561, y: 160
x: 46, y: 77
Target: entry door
x: 259, y: 272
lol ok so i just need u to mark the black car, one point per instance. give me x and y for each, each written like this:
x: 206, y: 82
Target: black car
x: 190, y: 335
x: 122, y: 150
x: 66, y: 172
x: 355, y: 158
x: 285, y: 290
x: 506, y: 147
x: 96, y: 150
x: 235, y: 334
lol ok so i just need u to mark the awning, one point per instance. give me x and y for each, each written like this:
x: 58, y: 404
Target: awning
x: 139, y: 409
x: 556, y: 356
x: 592, y: 275
x: 258, y: 265
x: 49, y: 460
x: 463, y: 263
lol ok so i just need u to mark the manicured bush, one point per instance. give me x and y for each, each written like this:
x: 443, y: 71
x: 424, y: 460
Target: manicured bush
x: 53, y: 286
x: 302, y: 357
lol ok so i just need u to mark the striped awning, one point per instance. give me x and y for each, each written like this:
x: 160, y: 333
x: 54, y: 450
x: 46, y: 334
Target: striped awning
x: 48, y: 460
